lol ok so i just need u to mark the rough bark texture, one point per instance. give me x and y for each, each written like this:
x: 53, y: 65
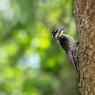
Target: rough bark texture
x: 85, y: 21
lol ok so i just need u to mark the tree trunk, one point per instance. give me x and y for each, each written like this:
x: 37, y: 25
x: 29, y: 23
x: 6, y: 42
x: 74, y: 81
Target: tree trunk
x: 85, y: 21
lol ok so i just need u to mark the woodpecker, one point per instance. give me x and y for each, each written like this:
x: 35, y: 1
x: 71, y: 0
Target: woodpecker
x: 68, y: 44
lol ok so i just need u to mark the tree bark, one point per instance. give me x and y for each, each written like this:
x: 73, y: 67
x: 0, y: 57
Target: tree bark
x: 85, y: 21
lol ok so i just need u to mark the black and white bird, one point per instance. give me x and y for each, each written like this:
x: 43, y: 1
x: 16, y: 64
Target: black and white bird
x: 68, y: 44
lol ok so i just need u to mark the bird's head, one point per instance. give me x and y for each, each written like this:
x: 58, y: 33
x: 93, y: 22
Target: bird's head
x: 57, y: 33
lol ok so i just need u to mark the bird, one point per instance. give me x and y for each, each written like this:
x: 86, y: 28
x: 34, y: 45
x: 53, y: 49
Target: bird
x: 69, y: 45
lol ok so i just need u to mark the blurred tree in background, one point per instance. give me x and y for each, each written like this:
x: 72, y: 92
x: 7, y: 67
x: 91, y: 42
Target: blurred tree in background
x: 31, y: 61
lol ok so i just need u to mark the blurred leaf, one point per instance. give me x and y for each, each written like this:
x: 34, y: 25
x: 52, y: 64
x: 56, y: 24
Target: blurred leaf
x: 31, y: 61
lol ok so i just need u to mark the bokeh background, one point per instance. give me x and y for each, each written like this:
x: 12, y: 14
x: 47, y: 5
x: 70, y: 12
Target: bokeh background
x: 31, y: 61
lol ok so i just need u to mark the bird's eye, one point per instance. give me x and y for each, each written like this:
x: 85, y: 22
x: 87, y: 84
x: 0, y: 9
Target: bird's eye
x: 54, y: 33
x: 55, y: 30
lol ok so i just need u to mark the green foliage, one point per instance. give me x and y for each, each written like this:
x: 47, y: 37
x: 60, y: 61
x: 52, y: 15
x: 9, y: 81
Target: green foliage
x: 31, y: 61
